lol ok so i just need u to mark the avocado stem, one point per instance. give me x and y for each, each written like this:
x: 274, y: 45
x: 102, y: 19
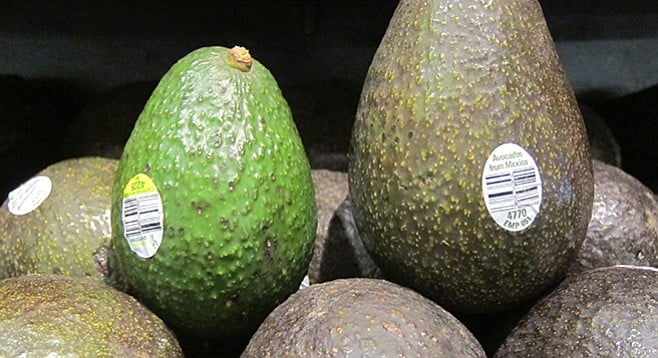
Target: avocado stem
x: 239, y: 57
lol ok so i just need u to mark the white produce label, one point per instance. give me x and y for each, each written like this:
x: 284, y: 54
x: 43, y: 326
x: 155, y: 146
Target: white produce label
x: 29, y: 195
x: 512, y: 187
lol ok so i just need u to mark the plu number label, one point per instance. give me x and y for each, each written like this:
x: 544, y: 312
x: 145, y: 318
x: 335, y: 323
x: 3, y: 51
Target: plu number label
x: 142, y: 216
x: 512, y: 187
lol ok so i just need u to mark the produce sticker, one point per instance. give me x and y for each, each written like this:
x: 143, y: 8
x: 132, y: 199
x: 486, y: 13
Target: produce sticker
x: 142, y: 216
x: 29, y: 195
x: 512, y: 187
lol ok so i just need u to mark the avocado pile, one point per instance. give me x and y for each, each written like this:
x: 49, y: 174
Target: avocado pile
x: 476, y: 199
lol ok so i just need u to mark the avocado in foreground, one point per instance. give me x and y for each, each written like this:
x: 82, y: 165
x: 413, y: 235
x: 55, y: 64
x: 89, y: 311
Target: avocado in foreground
x: 213, y: 209
x: 605, y: 312
x: 361, y: 317
x: 44, y: 315
x: 470, y: 173
x: 59, y: 220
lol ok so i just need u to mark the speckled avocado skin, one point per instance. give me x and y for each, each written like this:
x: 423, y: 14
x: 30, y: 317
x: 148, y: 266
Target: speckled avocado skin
x: 68, y: 229
x: 450, y: 82
x: 605, y: 312
x: 623, y: 229
x: 361, y: 317
x: 220, y: 145
x: 68, y: 316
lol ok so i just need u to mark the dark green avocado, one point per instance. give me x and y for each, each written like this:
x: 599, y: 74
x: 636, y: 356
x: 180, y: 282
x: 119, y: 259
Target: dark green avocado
x: 470, y: 172
x: 361, y: 317
x: 605, y: 312
x: 67, y: 316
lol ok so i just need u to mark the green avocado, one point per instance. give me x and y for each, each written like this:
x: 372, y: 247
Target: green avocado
x: 470, y: 172
x: 213, y: 209
x: 66, y: 316
x: 361, y: 317
x: 59, y: 220
x: 605, y: 312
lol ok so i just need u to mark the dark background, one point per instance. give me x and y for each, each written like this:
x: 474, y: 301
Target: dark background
x: 106, y: 43
x: 73, y: 53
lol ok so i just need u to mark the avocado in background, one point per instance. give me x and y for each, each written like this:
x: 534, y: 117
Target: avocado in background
x: 470, y: 173
x: 602, y: 141
x: 632, y: 118
x: 623, y: 229
x: 59, y: 220
x: 213, y: 209
x: 361, y: 317
x: 605, y: 312
x: 66, y: 316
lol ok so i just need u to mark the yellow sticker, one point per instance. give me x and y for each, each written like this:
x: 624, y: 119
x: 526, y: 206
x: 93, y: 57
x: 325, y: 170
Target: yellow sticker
x: 139, y: 184
x: 142, y: 216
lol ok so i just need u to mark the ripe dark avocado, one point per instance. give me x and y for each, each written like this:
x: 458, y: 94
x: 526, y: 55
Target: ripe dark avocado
x: 623, y: 229
x: 59, y: 220
x: 605, y: 312
x: 470, y: 171
x: 213, y: 209
x: 67, y: 316
x: 361, y: 317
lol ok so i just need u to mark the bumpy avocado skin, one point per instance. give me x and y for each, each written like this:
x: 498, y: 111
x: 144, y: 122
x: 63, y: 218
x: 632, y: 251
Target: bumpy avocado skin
x: 623, y: 229
x: 605, y: 312
x: 361, y: 317
x: 238, y: 200
x: 451, y: 81
x: 67, y: 316
x: 67, y: 233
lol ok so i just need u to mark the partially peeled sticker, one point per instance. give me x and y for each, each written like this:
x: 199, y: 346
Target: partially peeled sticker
x: 29, y: 195
x: 512, y: 187
x: 142, y: 216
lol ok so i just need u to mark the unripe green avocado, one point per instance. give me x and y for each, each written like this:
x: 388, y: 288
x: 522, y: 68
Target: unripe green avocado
x: 470, y: 172
x: 68, y: 316
x: 59, y: 220
x: 213, y: 209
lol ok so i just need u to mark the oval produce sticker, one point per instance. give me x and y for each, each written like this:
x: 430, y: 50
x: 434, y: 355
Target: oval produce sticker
x: 512, y: 187
x: 29, y: 195
x: 142, y: 216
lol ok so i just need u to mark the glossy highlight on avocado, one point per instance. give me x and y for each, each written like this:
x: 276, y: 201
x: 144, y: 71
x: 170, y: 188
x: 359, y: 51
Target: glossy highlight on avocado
x: 59, y: 220
x: 237, y: 218
x: 450, y: 82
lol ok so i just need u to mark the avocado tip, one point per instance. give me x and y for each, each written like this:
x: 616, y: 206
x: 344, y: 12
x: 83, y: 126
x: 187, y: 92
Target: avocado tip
x: 239, y: 57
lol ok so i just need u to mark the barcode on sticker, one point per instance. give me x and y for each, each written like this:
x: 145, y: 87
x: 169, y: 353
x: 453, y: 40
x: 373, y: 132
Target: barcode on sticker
x: 142, y: 214
x: 507, y: 191
x: 512, y: 187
